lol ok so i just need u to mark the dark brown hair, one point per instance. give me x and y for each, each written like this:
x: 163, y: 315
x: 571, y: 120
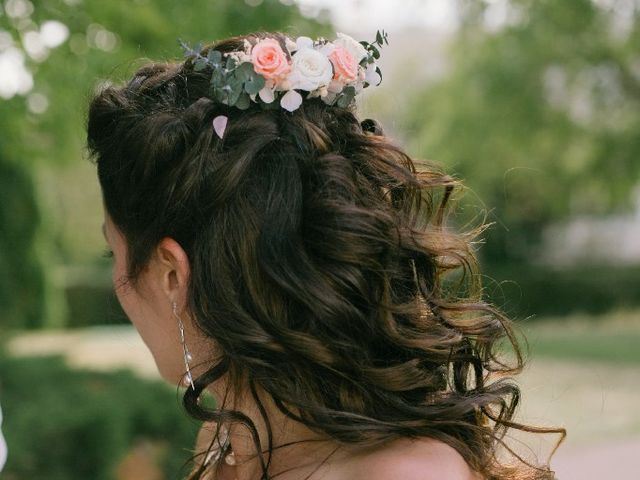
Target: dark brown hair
x: 322, y: 264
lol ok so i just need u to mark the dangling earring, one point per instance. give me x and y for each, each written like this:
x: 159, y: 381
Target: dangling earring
x: 188, y: 378
x: 222, y: 450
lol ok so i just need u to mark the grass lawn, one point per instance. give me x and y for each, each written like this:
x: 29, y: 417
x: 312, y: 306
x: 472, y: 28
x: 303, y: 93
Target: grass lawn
x: 612, y: 339
x: 583, y: 372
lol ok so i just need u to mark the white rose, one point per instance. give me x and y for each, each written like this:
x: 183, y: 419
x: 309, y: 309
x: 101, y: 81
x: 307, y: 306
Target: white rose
x: 310, y: 70
x: 355, y: 48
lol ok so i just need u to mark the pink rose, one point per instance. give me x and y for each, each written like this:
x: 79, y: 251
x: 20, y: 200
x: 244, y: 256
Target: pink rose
x: 344, y: 65
x: 269, y: 60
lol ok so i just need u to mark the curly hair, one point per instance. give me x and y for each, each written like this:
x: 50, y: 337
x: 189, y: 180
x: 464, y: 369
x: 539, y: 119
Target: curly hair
x: 322, y: 265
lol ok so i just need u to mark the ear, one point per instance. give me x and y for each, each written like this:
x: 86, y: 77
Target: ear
x: 172, y: 270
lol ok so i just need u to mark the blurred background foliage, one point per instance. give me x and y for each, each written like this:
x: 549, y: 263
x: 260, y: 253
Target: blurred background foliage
x: 50, y: 208
x: 53, y: 53
x: 106, y: 415
x: 540, y: 117
x: 533, y: 104
x: 536, y: 110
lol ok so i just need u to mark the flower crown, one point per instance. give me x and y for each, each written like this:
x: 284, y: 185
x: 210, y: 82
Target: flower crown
x: 264, y: 71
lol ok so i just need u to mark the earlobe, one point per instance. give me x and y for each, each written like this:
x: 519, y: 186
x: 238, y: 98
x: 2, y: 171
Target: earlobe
x: 173, y: 269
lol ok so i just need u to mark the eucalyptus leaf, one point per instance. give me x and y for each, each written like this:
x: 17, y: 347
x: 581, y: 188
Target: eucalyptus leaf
x: 244, y: 71
x: 218, y: 78
x: 346, y: 97
x: 200, y: 64
x: 254, y: 84
x: 343, y: 101
x: 233, y: 89
x: 220, y: 94
x: 215, y: 57
x: 243, y: 101
x: 231, y: 63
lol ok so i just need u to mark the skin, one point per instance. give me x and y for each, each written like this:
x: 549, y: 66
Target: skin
x: 148, y: 304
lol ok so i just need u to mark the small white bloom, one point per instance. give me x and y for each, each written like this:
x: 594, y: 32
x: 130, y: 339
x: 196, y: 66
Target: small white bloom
x: 291, y: 100
x: 291, y: 45
x: 310, y: 70
x: 304, y: 42
x: 266, y: 94
x: 371, y: 76
x: 335, y: 86
x: 355, y: 48
x: 239, y: 56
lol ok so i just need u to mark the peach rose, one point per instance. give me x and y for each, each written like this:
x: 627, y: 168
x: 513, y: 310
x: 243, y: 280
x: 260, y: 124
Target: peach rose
x: 344, y: 65
x: 269, y: 60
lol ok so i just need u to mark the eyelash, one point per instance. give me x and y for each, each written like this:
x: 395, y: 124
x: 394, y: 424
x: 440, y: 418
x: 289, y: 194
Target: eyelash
x: 108, y: 253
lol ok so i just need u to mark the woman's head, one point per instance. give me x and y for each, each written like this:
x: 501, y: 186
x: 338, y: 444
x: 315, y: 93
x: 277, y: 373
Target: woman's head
x: 310, y: 253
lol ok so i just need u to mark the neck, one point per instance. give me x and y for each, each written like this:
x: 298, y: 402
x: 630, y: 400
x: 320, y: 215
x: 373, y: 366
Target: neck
x: 298, y: 452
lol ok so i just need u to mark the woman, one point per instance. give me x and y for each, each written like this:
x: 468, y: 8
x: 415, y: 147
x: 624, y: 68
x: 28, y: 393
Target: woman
x: 280, y: 254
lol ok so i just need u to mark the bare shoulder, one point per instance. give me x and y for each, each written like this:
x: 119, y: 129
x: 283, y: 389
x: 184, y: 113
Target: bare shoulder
x: 423, y: 459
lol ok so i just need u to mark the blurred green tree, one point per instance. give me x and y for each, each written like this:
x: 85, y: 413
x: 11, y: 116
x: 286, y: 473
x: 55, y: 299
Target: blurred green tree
x: 53, y: 52
x: 539, y: 113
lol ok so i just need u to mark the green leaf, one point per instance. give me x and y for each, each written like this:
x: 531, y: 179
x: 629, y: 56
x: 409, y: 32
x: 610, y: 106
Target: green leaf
x: 343, y: 101
x: 243, y: 101
x: 231, y: 63
x: 218, y: 78
x: 200, y: 64
x: 346, y: 96
x: 375, y: 52
x: 378, y: 38
x: 233, y: 89
x: 215, y: 57
x: 244, y: 71
x: 379, y: 72
x: 254, y: 84
x: 220, y: 94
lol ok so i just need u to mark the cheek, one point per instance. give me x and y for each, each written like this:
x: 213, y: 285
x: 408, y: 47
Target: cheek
x: 122, y: 288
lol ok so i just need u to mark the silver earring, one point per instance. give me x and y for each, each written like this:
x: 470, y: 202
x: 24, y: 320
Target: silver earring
x: 188, y: 378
